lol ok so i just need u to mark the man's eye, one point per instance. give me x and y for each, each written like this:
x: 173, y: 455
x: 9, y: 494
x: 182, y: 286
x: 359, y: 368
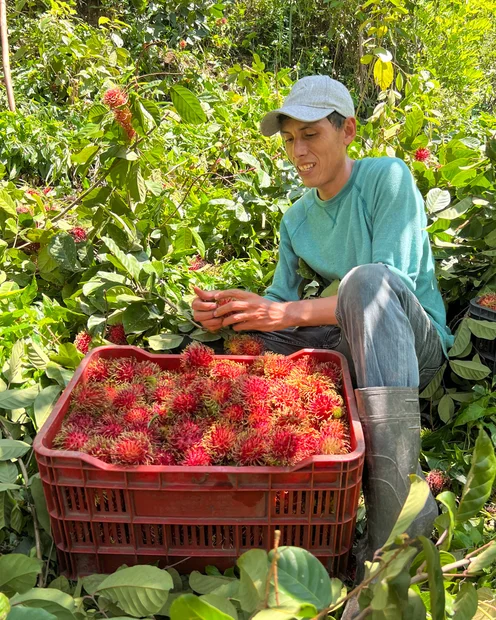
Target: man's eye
x: 288, y: 140
x: 310, y: 135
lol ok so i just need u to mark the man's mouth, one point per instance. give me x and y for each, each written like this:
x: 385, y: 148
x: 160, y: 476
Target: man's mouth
x: 305, y: 167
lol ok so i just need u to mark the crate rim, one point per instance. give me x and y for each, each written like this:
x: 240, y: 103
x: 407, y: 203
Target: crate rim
x: 41, y: 449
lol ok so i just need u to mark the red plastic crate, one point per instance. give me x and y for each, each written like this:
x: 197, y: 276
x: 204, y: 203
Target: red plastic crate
x: 105, y: 515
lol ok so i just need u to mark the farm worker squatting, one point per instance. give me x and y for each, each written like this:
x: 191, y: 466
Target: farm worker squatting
x: 362, y: 222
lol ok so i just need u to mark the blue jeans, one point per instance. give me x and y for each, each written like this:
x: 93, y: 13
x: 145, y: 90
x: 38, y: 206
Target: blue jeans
x: 385, y: 334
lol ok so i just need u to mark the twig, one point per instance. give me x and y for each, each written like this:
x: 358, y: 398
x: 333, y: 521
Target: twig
x: 442, y: 538
x: 176, y: 563
x: 273, y: 571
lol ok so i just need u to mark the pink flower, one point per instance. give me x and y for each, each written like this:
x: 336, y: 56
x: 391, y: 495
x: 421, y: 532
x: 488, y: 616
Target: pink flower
x: 422, y: 154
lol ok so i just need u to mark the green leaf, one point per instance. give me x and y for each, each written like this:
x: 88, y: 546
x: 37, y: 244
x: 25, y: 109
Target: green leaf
x: 484, y: 560
x: 448, y: 499
x: 163, y: 342
x: 480, y: 478
x: 415, y: 501
x: 331, y: 290
x: 471, y: 413
x: 14, y: 372
x: 137, y: 186
x: 2, y: 510
x: 437, y: 199
x: 18, y: 573
x: 287, y: 612
x: 183, y: 239
x: 17, y: 399
x: 190, y: 607
x: 465, y: 604
x: 436, y: 584
x: 6, y: 486
x: 205, y: 584
x: 474, y: 371
x: 86, y: 155
x: 129, y: 262
x: 187, y: 105
x: 8, y: 472
x: 446, y: 408
x: 67, y: 356
x: 482, y: 329
x: 44, y: 402
x: 12, y: 449
x: 137, y: 318
x: 254, y: 567
x: 220, y: 603
x: 58, y: 603
x: 302, y: 577
x: 7, y: 204
x: 62, y: 248
x: 433, y: 386
x: 413, y: 124
x: 415, y: 610
x: 456, y: 210
x: 96, y: 113
x: 28, y: 613
x: 36, y: 487
x: 139, y: 590
x: 462, y: 339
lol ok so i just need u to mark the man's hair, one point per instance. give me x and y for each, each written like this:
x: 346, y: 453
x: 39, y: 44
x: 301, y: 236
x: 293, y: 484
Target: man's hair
x: 335, y: 118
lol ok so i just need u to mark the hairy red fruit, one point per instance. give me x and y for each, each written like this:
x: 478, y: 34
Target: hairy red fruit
x: 261, y: 417
x: 234, y: 414
x: 80, y: 419
x: 71, y: 438
x: 196, y: 356
x: 312, y: 385
x: 82, y: 342
x: 99, y: 447
x: 251, y: 448
x: 126, y: 398
x: 488, y: 301
x: 422, y: 154
x: 138, y: 417
x: 326, y: 405
x: 329, y: 445
x: 185, y: 403
x: 163, y: 392
x: 78, y: 234
x: 254, y: 389
x: 331, y: 371
x: 197, y: 263
x: 114, y: 98
x: 244, y: 344
x: 116, y: 334
x: 147, y: 370
x: 285, y: 446
x: 132, y: 448
x: 97, y: 370
x: 184, y: 435
x: 182, y: 44
x: 197, y: 456
x: 274, y: 365
x: 218, y: 392
x: 123, y: 370
x: 219, y: 442
x: 283, y: 395
x: 253, y: 345
x: 111, y: 429
x: 227, y: 369
x: 335, y: 428
x: 164, y: 457
x: 89, y: 397
x: 437, y: 480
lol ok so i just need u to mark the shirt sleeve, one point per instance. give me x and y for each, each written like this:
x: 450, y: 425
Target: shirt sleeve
x: 286, y: 281
x: 398, y: 220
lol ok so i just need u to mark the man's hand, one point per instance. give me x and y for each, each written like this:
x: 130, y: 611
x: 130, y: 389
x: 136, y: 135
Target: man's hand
x: 248, y: 311
x: 203, y: 307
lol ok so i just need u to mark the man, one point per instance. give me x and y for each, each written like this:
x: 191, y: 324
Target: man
x: 362, y: 222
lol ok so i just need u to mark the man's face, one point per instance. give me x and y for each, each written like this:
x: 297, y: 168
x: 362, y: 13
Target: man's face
x: 318, y: 151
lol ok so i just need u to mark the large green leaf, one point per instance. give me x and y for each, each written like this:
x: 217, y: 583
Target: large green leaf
x: 484, y: 560
x: 205, y: 584
x: 474, y: 371
x: 18, y: 573
x: 129, y: 262
x: 462, y: 339
x: 465, y: 604
x: 254, y: 567
x: 163, y: 342
x: 302, y: 577
x: 15, y: 399
x: 480, y: 479
x: 28, y: 613
x: 287, y: 612
x: 44, y: 402
x: 62, y: 248
x: 14, y: 371
x: 221, y: 603
x: 482, y: 329
x: 67, y: 356
x: 436, y: 584
x: 6, y: 203
x: 415, y: 501
x: 190, y: 607
x: 433, y: 386
x: 447, y: 519
x: 12, y: 449
x: 456, y: 210
x: 58, y: 603
x: 446, y: 408
x: 8, y: 472
x: 437, y: 200
x: 36, y: 487
x: 187, y: 105
x: 138, y: 590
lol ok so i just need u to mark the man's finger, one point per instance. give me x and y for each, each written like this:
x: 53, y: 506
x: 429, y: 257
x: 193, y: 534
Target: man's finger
x: 212, y: 325
x: 205, y: 295
x: 232, y: 292
x: 232, y: 306
x: 233, y: 319
x: 203, y: 306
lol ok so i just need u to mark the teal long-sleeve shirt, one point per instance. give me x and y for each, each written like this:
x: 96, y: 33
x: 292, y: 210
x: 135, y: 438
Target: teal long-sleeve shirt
x: 377, y: 217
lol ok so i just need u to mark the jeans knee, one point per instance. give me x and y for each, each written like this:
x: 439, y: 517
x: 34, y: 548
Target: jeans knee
x: 361, y: 282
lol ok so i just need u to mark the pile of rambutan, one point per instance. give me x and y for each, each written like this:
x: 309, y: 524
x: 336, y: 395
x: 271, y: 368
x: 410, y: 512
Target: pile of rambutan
x: 271, y: 410
x: 488, y: 301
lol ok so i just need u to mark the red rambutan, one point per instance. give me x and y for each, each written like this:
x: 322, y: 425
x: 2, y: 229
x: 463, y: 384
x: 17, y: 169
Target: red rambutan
x: 335, y: 428
x: 71, y: 438
x: 138, y: 417
x: 126, y: 398
x: 283, y: 395
x: 100, y: 448
x: 285, y: 446
x: 437, y: 480
x: 123, y: 370
x: 332, y: 445
x: 147, y: 369
x: 260, y: 417
x: 116, y: 334
x: 488, y: 301
x: 219, y: 442
x: 89, y: 397
x: 218, y: 392
x: 185, y: 403
x: 276, y: 366
x: 196, y: 456
x: 326, y: 405
x: 251, y: 448
x: 331, y: 371
x: 80, y: 419
x: 97, y: 370
x: 234, y: 414
x: 196, y: 356
x: 78, y: 234
x: 164, y: 457
x: 227, y: 369
x: 82, y: 342
x: 422, y: 154
x: 109, y: 427
x: 132, y: 448
x: 253, y: 389
x: 184, y: 435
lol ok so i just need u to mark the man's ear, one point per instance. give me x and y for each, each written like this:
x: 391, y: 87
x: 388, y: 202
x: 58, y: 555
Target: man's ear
x: 349, y: 129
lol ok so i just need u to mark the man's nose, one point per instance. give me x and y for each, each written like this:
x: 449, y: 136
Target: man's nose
x: 300, y: 148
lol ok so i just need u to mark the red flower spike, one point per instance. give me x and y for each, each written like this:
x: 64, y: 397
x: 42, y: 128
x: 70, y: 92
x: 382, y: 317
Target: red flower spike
x: 422, y: 154
x: 82, y: 342
x: 114, y: 98
x: 116, y: 334
x: 78, y: 234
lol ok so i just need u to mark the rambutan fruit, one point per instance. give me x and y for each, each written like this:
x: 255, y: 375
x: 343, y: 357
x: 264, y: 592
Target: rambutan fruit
x: 196, y: 356
x: 335, y: 428
x: 218, y: 392
x: 146, y: 370
x: 71, y: 438
x: 184, y: 435
x: 219, y: 442
x: 184, y: 403
x: 138, y: 417
x: 251, y: 448
x: 99, y: 447
x: 312, y: 385
x: 78, y: 234
x: 235, y: 414
x: 283, y: 395
x: 126, y: 398
x: 285, y: 446
x: 330, y: 370
x: 116, y: 334
x: 422, y: 154
x: 123, y: 370
x: 82, y: 342
x: 244, y: 344
x: 290, y: 415
x: 234, y: 345
x: 132, y: 448
x: 326, y: 405
x: 261, y: 417
x: 437, y: 480
x: 488, y: 301
x: 97, y: 370
x: 109, y: 427
x: 332, y: 445
x: 253, y: 389
x: 162, y: 410
x: 164, y: 457
x: 80, y: 419
x: 114, y: 98
x: 89, y: 397
x: 227, y: 369
x: 275, y: 366
x: 196, y: 456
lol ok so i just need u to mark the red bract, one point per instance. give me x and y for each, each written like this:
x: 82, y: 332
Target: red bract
x: 78, y: 234
x: 116, y: 334
x: 132, y: 448
x: 114, y: 97
x: 196, y: 356
x: 82, y: 342
x: 422, y: 154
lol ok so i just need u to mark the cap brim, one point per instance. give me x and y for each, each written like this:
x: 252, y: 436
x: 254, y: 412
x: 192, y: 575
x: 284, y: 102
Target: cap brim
x: 270, y: 123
